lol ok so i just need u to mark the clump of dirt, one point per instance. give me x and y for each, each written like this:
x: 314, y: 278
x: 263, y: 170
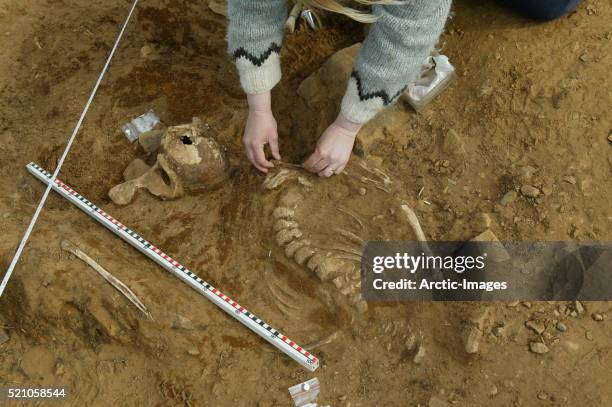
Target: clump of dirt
x: 529, y: 113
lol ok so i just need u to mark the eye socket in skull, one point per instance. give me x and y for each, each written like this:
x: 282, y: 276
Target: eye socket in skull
x: 187, y: 161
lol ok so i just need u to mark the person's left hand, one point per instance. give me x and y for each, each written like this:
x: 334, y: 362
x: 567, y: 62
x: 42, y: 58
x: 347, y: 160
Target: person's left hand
x: 333, y: 148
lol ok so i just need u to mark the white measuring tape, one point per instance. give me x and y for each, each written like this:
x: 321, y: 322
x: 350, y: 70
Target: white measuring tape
x: 286, y: 345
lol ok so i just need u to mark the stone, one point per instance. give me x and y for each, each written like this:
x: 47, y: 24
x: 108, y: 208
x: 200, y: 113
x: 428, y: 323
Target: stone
x: 60, y: 369
x: 588, y: 335
x: 535, y: 326
x: 180, y: 322
x: 530, y: 191
x: 597, y: 317
x: 542, y: 396
x: 578, y: 307
x: 452, y: 144
x: 561, y: 327
x: 538, y: 347
x: 509, y: 197
x: 526, y: 172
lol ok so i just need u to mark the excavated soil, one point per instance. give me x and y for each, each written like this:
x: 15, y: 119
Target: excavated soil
x: 531, y: 107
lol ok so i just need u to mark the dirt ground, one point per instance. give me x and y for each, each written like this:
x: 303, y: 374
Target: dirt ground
x: 532, y: 106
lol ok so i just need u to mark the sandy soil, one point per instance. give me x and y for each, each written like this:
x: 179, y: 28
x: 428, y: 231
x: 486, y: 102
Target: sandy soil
x: 529, y: 95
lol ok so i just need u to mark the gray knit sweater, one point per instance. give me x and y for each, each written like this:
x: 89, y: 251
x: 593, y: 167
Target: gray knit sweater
x: 390, y: 58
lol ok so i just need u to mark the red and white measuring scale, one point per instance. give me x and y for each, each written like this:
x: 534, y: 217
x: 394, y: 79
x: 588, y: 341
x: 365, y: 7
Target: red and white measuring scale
x: 251, y: 321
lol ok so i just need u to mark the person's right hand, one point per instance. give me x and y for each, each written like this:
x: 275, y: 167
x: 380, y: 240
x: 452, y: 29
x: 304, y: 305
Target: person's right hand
x: 260, y: 130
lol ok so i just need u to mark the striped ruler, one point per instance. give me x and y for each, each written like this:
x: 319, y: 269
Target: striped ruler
x: 251, y: 321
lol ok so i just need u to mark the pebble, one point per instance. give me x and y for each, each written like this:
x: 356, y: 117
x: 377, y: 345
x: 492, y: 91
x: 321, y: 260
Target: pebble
x: 597, y: 317
x: 588, y: 335
x: 542, y: 396
x: 182, y: 323
x: 538, y: 347
x: 561, y: 327
x: 362, y: 191
x: 146, y: 51
x: 578, y: 307
x: 60, y: 369
x: 193, y: 351
x: 527, y: 172
x: 535, y: 326
x: 411, y: 342
x: 3, y: 336
x: 509, y: 197
x: 530, y: 191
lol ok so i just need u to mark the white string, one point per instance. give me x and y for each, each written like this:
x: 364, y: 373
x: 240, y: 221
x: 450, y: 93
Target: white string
x: 26, y: 236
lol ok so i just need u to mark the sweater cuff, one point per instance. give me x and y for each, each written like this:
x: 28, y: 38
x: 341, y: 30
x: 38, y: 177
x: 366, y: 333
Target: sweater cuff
x: 360, y: 107
x: 259, y: 78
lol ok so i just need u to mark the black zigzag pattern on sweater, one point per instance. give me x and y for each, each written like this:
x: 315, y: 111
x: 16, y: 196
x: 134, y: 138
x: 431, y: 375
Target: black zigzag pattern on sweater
x: 257, y: 61
x: 380, y: 94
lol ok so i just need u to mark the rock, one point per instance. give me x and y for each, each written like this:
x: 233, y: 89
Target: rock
x: 146, y: 51
x: 535, y: 326
x: 193, y: 351
x: 362, y: 191
x: 542, y: 396
x: 474, y: 330
x: 578, y: 307
x: 60, y: 369
x: 452, y: 144
x: 509, y: 197
x: 596, y: 317
x: 150, y: 141
x: 419, y: 355
x: 561, y: 327
x: 588, y: 335
x: 411, y: 342
x: 182, y: 323
x: 526, y: 172
x: 495, y: 249
x: 538, y: 347
x: 530, y: 191
x: 3, y: 336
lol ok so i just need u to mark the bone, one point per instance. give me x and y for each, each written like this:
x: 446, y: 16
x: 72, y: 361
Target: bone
x: 152, y: 180
x: 287, y: 235
x: 135, y: 169
x: 303, y: 254
x: 293, y: 246
x: 273, y: 180
x: 351, y: 214
x: 293, y: 15
x: 323, y: 341
x: 284, y: 224
x: 114, y: 281
x: 350, y: 236
x: 283, y: 213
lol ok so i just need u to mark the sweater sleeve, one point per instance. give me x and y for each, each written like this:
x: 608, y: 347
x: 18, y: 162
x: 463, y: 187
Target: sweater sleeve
x: 255, y: 36
x: 392, y: 55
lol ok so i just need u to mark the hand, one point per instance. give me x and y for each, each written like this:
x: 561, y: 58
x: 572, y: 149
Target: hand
x: 260, y: 130
x: 334, y: 148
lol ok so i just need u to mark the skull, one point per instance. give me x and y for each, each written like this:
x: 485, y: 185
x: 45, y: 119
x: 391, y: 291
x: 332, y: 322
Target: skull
x: 187, y: 161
